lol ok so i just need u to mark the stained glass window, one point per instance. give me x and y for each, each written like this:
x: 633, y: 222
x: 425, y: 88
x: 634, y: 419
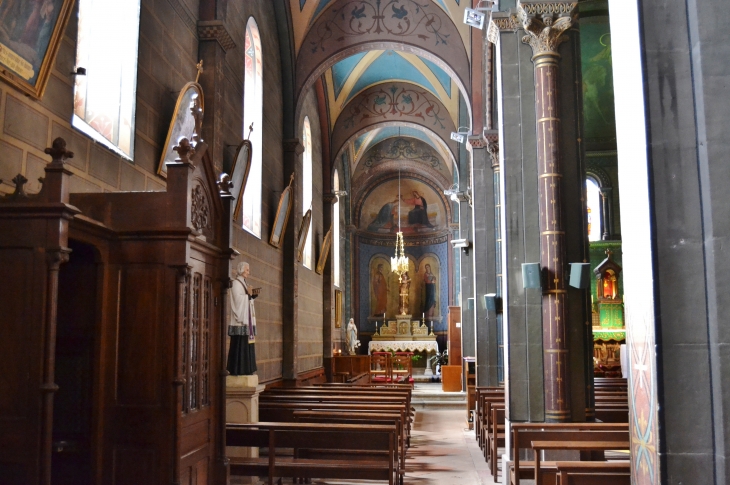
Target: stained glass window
x: 104, y: 99
x: 593, y: 203
x: 307, y: 189
x: 253, y: 112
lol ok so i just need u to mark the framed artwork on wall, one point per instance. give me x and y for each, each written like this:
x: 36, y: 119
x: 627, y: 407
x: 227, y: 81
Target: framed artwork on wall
x: 282, y: 215
x: 30, y: 33
x: 239, y: 174
x: 338, y: 309
x: 326, y: 243
x: 183, y: 122
x: 303, y: 233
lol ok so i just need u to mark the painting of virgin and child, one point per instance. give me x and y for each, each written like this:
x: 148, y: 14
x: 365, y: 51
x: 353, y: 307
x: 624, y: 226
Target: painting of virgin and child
x: 383, y: 209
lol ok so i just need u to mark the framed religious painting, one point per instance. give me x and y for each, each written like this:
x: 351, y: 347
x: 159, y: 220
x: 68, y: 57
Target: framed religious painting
x: 183, y: 123
x: 239, y: 174
x: 303, y: 233
x: 30, y: 34
x: 282, y: 215
x: 322, y: 261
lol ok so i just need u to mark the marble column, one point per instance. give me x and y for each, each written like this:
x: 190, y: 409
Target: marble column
x: 545, y: 24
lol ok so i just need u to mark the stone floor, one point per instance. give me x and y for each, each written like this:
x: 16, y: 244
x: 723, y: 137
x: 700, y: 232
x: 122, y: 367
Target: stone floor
x: 443, y: 451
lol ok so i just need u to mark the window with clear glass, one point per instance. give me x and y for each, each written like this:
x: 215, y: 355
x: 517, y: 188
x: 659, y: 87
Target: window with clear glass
x: 336, y: 231
x: 105, y: 98
x: 593, y: 203
x: 253, y: 112
x: 307, y: 189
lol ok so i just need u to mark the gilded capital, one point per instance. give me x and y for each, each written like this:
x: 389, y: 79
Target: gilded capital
x: 545, y: 23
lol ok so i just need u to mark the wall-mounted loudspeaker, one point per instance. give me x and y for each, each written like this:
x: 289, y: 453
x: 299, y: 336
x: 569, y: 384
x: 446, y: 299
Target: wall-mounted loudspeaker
x: 492, y: 302
x: 580, y: 275
x: 531, y: 277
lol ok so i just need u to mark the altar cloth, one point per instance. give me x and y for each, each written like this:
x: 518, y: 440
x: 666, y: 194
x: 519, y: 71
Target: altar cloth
x: 403, y: 346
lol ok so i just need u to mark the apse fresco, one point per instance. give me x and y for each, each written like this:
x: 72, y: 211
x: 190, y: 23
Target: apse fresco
x: 419, y: 209
x: 424, y: 292
x: 597, y: 70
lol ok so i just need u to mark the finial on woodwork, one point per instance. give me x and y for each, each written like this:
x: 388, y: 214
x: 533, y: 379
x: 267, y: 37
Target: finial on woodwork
x: 199, y: 68
x: 224, y: 184
x: 197, y: 112
x: 184, y: 150
x: 19, y: 182
x: 58, y: 151
x: 609, y: 253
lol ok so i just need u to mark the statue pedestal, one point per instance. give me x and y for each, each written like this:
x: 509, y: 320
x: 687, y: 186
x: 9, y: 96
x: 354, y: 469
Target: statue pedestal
x: 242, y: 406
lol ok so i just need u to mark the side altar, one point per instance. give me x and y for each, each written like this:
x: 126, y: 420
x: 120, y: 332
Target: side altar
x: 403, y: 334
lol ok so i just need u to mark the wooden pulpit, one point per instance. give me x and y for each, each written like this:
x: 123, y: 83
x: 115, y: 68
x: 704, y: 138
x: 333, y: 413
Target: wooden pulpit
x: 113, y: 329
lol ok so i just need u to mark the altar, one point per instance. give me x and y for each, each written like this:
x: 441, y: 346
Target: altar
x: 403, y: 335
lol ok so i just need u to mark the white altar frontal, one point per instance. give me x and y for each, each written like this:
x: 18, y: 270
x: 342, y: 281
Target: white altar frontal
x: 403, y: 335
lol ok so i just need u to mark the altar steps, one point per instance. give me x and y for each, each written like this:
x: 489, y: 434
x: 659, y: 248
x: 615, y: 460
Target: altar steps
x: 429, y: 395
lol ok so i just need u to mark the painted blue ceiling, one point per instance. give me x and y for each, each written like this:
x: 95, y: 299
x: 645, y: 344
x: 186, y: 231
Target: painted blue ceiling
x: 440, y: 74
x: 390, y: 132
x: 342, y: 70
x: 388, y: 66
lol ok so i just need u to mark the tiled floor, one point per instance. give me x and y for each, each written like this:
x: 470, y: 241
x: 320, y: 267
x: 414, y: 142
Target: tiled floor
x: 442, y: 452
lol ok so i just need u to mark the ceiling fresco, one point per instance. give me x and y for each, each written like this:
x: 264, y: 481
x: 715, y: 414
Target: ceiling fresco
x: 363, y: 143
x: 306, y: 12
x: 406, y: 153
x: 353, y: 75
x: 348, y: 27
x: 392, y: 104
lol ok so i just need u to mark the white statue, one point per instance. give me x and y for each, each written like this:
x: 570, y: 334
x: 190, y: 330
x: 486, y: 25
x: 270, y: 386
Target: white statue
x: 351, y: 337
x: 242, y: 326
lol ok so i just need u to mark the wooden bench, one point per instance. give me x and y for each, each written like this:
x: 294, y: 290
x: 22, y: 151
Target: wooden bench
x: 523, y: 434
x: 303, y: 438
x: 574, y: 443
x: 496, y: 436
x: 582, y: 472
x: 391, y: 419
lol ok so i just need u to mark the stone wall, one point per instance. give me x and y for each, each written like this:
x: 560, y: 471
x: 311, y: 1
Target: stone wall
x: 310, y: 283
x: 169, y: 49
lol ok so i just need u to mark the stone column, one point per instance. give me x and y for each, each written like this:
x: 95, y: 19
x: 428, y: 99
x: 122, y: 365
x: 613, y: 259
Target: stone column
x: 484, y: 269
x: 545, y: 24
x: 493, y: 149
x: 293, y: 150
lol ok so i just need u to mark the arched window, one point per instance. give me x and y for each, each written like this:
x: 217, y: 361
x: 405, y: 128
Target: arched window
x: 307, y: 188
x: 336, y: 231
x: 105, y: 98
x: 253, y: 90
x: 593, y: 203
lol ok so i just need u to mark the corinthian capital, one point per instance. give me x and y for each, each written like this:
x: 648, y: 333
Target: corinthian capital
x: 545, y: 23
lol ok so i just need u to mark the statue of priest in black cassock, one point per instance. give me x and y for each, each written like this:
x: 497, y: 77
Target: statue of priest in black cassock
x: 242, y: 326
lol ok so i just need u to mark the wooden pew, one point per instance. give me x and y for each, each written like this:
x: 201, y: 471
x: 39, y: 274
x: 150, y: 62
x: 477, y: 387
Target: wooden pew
x: 496, y: 437
x: 575, y: 442
x: 392, y: 419
x: 583, y: 471
x: 523, y: 434
x: 596, y: 479
x: 308, y: 436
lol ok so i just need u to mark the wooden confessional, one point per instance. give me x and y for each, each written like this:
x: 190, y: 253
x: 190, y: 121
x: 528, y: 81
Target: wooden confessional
x: 112, y: 335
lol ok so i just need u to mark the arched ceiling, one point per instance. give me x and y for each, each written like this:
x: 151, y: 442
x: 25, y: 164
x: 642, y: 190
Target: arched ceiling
x: 388, y: 68
x: 363, y: 143
x: 393, y: 104
x: 353, y: 75
x: 306, y: 12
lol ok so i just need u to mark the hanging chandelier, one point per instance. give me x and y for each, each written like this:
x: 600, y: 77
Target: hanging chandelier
x: 399, y: 263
